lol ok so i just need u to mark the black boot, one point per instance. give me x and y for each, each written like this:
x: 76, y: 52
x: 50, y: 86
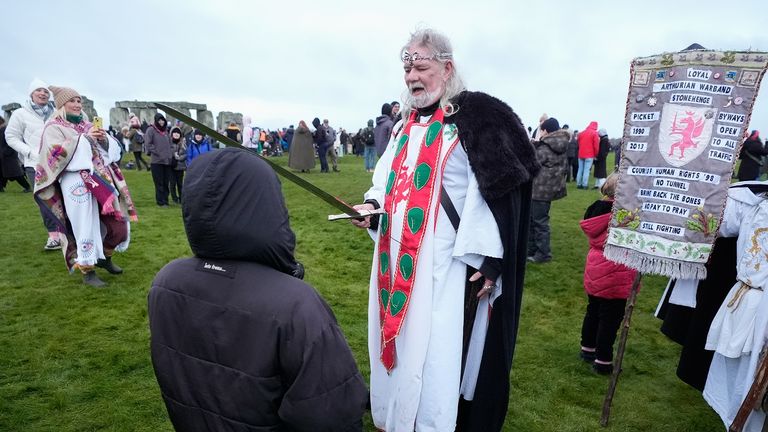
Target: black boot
x: 108, y: 265
x: 91, y: 279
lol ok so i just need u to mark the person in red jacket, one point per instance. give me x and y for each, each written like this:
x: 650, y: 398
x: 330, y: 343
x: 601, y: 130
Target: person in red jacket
x: 607, y: 285
x: 589, y: 146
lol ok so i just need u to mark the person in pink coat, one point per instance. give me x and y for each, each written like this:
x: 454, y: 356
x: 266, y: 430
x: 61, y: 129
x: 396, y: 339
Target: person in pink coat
x: 589, y: 146
x: 607, y: 285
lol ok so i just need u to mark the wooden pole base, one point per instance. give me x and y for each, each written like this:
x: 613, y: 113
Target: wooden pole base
x: 620, y: 351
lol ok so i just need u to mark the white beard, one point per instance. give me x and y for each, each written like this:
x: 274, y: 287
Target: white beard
x: 425, y: 99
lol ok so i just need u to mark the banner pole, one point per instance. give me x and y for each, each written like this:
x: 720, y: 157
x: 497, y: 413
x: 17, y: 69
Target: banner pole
x: 620, y: 351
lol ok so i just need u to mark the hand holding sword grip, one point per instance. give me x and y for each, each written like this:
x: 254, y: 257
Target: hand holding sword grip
x: 362, y: 222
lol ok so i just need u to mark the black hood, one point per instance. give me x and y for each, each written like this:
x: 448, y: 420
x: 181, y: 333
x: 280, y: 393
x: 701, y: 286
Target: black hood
x: 159, y: 117
x: 233, y: 209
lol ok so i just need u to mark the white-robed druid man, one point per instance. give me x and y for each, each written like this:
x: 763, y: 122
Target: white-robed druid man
x: 455, y: 184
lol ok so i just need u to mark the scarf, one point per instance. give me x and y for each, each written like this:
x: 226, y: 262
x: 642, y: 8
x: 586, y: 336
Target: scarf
x: 417, y: 188
x: 43, y: 111
x: 102, y: 190
x: 74, y: 119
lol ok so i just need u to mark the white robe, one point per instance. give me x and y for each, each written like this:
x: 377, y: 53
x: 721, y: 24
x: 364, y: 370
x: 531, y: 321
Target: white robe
x: 738, y: 333
x: 421, y: 392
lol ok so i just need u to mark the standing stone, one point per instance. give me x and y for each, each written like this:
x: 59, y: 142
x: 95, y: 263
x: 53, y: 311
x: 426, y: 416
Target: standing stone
x: 171, y: 119
x: 13, y: 106
x: 88, y: 108
x: 206, y: 117
x: 147, y: 114
x: 226, y: 117
x: 118, y: 117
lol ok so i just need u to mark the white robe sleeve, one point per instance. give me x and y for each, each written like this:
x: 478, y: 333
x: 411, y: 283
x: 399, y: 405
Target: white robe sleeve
x: 731, y: 218
x: 113, y: 152
x: 478, y: 235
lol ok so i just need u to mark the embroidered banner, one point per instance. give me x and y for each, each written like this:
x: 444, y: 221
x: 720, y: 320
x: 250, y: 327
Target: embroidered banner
x: 687, y: 117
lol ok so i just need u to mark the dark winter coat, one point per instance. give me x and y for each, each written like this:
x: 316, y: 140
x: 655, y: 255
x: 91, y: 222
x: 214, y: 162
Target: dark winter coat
x: 158, y: 145
x: 179, y: 152
x: 322, y: 136
x: 10, y: 165
x: 504, y: 163
x: 134, y: 135
x: 751, y: 156
x: 573, y: 148
x: 382, y: 132
x: 237, y: 342
x: 288, y: 137
x: 601, y: 170
x: 603, y: 278
x: 549, y: 184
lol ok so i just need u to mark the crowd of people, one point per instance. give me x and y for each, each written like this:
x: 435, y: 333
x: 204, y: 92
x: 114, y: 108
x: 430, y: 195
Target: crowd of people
x: 460, y: 198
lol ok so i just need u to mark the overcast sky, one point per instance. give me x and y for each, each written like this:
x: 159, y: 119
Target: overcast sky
x: 282, y: 61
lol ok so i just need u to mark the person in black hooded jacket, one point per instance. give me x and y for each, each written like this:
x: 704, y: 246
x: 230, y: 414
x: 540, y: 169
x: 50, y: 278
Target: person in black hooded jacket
x: 751, y: 156
x: 238, y: 341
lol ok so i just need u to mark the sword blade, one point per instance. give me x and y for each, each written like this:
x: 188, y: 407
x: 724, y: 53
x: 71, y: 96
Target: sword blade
x: 307, y: 186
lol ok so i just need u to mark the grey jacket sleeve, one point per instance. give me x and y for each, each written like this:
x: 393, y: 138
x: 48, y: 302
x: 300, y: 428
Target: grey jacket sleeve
x: 149, y: 141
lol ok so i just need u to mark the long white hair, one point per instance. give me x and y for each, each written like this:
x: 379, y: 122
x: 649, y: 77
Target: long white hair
x: 441, y: 50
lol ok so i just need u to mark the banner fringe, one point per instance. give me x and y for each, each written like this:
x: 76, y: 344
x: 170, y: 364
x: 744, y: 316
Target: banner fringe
x: 649, y: 264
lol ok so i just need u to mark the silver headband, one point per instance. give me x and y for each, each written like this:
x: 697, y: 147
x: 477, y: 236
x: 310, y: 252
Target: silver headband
x: 410, y: 58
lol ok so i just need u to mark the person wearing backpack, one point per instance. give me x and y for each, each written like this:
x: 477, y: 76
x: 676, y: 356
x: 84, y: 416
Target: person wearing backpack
x: 321, y: 139
x: 369, y: 141
x: 136, y: 138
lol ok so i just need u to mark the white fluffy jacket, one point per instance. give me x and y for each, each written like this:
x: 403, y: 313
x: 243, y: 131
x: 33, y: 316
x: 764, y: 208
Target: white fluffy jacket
x: 24, y: 131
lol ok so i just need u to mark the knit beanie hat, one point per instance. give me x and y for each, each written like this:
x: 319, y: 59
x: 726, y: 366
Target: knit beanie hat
x: 550, y: 125
x: 62, y: 95
x: 602, y: 133
x: 36, y: 84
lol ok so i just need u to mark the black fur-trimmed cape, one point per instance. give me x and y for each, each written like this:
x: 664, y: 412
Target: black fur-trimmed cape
x: 504, y: 163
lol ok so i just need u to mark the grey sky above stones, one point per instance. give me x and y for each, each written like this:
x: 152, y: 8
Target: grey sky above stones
x: 280, y: 62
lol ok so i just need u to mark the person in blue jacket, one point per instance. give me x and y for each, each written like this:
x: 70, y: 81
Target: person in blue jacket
x: 197, y: 145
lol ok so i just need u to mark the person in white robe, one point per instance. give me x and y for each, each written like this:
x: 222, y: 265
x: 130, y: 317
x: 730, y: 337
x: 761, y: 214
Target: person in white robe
x: 740, y: 328
x: 449, y: 201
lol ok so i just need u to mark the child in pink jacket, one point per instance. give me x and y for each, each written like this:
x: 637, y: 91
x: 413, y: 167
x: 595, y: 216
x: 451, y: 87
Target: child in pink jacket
x: 607, y: 285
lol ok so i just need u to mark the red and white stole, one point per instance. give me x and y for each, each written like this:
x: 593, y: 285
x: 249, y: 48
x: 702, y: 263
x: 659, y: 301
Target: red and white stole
x: 396, y: 286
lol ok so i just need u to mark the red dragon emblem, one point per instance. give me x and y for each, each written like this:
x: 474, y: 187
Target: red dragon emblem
x: 688, y: 128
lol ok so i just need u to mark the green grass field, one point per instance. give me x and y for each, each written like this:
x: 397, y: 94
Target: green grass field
x: 74, y: 358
